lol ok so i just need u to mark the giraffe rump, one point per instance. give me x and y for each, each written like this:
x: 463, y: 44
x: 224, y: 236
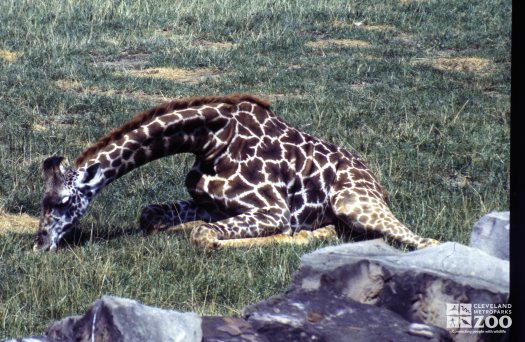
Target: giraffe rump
x: 164, y: 108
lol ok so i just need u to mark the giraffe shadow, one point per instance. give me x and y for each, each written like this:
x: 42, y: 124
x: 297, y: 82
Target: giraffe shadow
x: 82, y: 236
x: 349, y: 234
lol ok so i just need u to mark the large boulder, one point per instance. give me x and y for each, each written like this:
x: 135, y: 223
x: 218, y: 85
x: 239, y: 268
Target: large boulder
x: 491, y: 234
x: 118, y: 320
x: 417, y: 285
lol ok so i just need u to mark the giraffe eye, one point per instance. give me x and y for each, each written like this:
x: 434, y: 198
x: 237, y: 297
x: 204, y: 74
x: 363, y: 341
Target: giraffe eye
x: 63, y: 201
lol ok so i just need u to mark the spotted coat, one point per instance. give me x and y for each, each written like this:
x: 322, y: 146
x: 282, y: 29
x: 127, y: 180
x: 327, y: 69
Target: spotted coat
x: 254, y: 176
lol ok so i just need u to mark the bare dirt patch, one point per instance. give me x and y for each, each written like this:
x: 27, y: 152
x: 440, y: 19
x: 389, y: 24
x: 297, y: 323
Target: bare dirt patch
x: 13, y: 223
x: 324, y: 43
x: 8, y: 56
x: 176, y: 74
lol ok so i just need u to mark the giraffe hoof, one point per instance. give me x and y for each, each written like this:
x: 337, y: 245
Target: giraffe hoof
x: 205, y: 237
x: 325, y: 233
x: 424, y: 243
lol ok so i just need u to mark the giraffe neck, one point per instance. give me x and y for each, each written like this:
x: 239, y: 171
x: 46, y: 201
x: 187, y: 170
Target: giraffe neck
x: 203, y: 131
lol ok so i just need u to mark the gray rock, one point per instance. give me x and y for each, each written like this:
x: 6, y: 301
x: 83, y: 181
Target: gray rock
x: 119, y: 319
x: 30, y: 339
x: 229, y: 329
x: 416, y: 285
x: 491, y: 234
x: 322, y: 316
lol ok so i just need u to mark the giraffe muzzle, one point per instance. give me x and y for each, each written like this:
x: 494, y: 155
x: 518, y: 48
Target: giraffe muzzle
x: 44, y: 241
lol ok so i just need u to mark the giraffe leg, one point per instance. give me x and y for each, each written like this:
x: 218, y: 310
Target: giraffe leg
x: 302, y: 237
x: 254, y: 227
x: 371, y: 214
x: 181, y: 216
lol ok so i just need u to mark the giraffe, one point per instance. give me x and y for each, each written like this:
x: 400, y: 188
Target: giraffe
x: 255, y: 178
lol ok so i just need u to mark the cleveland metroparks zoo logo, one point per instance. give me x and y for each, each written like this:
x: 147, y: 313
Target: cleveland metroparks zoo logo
x: 478, y: 317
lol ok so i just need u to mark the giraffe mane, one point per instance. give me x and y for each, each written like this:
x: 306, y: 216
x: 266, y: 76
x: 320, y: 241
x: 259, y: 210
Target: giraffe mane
x: 164, y: 108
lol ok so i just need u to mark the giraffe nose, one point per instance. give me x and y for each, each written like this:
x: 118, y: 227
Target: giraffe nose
x: 41, y: 241
x: 40, y: 235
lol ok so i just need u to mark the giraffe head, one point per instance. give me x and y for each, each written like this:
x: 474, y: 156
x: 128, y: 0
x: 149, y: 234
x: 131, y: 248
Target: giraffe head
x: 66, y: 198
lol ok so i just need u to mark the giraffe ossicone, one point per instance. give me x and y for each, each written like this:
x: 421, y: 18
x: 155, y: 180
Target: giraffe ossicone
x: 255, y: 178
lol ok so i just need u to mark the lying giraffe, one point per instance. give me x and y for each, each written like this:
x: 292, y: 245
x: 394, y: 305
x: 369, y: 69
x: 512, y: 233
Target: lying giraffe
x: 254, y: 177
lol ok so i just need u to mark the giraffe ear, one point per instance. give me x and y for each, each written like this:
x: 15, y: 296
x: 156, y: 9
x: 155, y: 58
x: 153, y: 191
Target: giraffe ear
x: 92, y: 175
x: 52, y: 167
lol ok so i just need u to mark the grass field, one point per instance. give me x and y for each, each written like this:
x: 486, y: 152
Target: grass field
x: 420, y: 89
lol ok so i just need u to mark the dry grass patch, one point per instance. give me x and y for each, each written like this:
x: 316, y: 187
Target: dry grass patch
x: 461, y: 64
x: 127, y: 61
x: 78, y: 88
x: 342, y: 23
x: 359, y: 85
x: 68, y: 85
x: 406, y: 38
x: 324, y: 43
x: 13, y: 223
x: 380, y: 28
x: 456, y: 64
x: 363, y: 25
x: 175, y: 74
x: 8, y: 56
x: 367, y: 57
x: 278, y: 96
x: 171, y: 35
x: 215, y: 45
x: 36, y: 127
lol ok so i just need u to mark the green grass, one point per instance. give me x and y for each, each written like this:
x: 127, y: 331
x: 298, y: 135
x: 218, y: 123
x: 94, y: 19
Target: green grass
x: 436, y: 136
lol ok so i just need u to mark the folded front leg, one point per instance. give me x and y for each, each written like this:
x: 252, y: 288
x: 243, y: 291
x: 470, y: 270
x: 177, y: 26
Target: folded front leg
x: 171, y: 217
x: 253, y: 224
